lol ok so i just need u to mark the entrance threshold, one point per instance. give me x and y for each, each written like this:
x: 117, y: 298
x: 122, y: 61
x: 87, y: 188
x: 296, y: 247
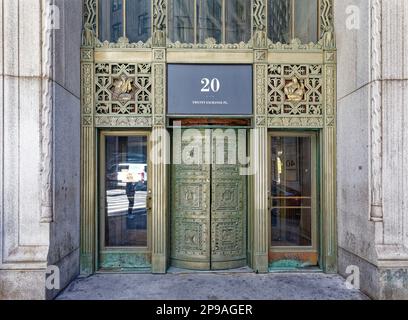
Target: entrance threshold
x: 296, y: 270
x: 174, y: 270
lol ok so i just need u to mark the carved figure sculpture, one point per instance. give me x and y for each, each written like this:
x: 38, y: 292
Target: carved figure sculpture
x: 294, y: 90
x: 328, y: 37
x: 122, y: 85
x: 88, y: 35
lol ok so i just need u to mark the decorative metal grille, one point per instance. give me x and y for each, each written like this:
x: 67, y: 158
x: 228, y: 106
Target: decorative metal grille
x: 123, y: 89
x: 295, y: 92
x: 295, y: 89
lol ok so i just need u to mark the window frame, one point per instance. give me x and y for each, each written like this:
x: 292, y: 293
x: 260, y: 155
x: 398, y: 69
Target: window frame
x: 315, y: 195
x: 123, y: 8
x: 223, y: 24
x: 101, y: 205
x: 292, y: 23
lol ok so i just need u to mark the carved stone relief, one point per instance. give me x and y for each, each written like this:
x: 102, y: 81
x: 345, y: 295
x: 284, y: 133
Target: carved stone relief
x: 330, y: 109
x: 87, y: 90
x: 376, y: 113
x: 259, y: 15
x: 328, y: 39
x: 261, y: 74
x: 90, y: 14
x: 159, y: 73
x: 159, y: 14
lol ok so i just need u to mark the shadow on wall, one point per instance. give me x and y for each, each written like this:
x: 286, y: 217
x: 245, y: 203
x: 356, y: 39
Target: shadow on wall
x: 65, y: 228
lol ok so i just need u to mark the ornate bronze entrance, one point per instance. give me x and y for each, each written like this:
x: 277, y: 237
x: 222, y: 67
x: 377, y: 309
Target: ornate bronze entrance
x: 208, y: 204
x: 294, y: 88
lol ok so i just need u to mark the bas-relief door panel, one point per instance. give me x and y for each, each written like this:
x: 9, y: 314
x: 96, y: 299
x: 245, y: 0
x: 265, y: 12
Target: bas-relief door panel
x: 228, y: 213
x: 208, y: 214
x: 191, y: 210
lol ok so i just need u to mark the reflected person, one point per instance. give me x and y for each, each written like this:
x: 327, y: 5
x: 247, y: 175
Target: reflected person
x: 130, y: 193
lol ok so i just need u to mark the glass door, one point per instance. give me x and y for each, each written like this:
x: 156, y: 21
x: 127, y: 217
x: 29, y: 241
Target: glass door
x: 125, y: 201
x: 292, y: 200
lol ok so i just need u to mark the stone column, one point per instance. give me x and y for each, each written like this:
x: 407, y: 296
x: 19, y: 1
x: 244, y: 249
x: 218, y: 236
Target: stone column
x: 372, y: 144
x: 88, y: 140
x: 389, y: 152
x: 161, y: 143
x: 328, y: 142
x: 259, y: 190
x: 259, y: 233
x: 24, y: 146
x: 329, y: 247
x: 259, y: 158
x: 160, y: 156
x: 40, y: 109
x: 88, y: 165
x: 376, y: 112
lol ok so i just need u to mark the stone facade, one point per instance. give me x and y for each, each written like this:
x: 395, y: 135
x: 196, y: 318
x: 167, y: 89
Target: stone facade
x: 40, y: 127
x: 372, y: 177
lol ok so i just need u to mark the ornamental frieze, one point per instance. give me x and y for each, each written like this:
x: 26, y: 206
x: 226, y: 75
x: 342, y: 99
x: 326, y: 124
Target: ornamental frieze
x: 259, y: 23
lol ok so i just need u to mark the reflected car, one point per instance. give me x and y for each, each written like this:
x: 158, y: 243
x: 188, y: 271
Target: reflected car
x: 119, y: 174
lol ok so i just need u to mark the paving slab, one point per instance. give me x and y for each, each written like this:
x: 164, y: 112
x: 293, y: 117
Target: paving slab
x: 211, y: 286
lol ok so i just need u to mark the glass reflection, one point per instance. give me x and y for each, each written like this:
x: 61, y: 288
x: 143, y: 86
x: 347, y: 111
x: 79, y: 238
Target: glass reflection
x: 291, y: 191
x: 209, y: 24
x: 290, y: 19
x: 279, y: 16
x: 306, y: 20
x: 138, y: 20
x: 237, y: 21
x: 194, y: 21
x: 181, y: 21
x: 110, y: 20
x: 126, y: 191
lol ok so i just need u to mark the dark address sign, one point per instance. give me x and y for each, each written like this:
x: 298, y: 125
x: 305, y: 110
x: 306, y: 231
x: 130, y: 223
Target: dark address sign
x: 209, y: 89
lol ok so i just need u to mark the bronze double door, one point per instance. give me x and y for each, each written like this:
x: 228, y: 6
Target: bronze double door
x: 209, y: 201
